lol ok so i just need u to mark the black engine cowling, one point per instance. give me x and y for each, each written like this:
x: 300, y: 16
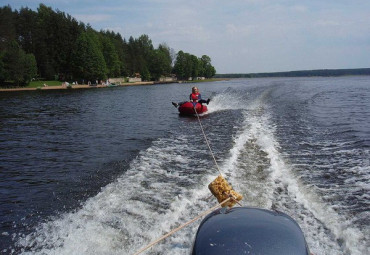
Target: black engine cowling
x: 243, y: 230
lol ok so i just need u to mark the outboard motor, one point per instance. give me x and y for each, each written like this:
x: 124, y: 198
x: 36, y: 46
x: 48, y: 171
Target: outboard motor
x: 244, y: 230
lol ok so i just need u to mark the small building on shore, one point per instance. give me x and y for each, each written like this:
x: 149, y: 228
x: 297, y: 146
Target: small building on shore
x: 117, y: 81
x: 135, y: 78
x: 171, y: 78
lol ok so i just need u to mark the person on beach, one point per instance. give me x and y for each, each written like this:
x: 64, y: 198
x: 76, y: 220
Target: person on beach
x: 195, y: 97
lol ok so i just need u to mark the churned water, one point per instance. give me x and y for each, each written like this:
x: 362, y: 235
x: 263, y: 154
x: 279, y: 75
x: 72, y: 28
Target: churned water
x: 107, y: 171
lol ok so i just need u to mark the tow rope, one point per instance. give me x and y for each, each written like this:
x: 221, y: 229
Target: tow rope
x: 220, y: 188
x: 205, y: 138
x: 182, y: 226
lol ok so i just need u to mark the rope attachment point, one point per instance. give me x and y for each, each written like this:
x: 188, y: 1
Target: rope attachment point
x: 222, y: 190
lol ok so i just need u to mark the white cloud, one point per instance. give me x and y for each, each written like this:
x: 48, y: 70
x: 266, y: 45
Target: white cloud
x: 299, y: 8
x: 241, y: 35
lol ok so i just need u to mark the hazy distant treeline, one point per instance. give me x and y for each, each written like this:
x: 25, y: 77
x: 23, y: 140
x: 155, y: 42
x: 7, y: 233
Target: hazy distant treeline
x: 50, y: 44
x: 307, y: 73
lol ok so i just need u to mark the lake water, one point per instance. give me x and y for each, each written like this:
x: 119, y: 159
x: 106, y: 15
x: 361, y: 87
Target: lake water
x: 106, y: 171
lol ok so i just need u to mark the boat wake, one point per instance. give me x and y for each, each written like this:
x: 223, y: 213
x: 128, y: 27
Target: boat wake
x: 259, y: 170
x: 166, y: 185
x: 227, y: 100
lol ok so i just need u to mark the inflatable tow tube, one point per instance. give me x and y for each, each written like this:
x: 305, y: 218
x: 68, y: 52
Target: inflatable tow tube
x: 188, y: 108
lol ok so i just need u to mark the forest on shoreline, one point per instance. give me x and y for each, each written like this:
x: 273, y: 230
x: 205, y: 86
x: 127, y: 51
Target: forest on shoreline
x: 51, y: 45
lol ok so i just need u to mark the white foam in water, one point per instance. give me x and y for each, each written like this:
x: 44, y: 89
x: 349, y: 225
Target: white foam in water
x: 228, y: 100
x: 127, y: 215
x: 155, y: 196
x: 323, y: 227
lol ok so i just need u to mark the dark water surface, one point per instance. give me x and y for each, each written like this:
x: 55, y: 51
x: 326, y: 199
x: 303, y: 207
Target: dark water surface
x: 106, y: 171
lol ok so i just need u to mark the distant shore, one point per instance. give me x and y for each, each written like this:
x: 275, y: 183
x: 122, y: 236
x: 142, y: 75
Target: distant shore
x: 301, y: 73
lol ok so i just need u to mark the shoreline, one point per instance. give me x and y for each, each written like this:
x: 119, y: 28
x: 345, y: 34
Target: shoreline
x: 61, y: 87
x: 77, y: 87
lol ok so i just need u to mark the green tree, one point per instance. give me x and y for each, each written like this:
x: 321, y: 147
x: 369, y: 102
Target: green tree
x: 7, y: 26
x: 166, y: 63
x: 26, y: 29
x: 145, y: 74
x: 44, y: 42
x: 14, y: 63
x: 120, y: 47
x: 30, y: 67
x: 53, y: 36
x: 2, y: 68
x: 19, y: 67
x: 56, y: 41
x: 210, y: 72
x: 144, y: 49
x: 139, y: 52
x: 207, y: 69
x: 188, y: 67
x: 111, y: 57
x: 130, y: 52
x: 88, y: 61
x: 145, y: 46
x: 160, y: 62
x: 179, y: 67
x: 195, y: 66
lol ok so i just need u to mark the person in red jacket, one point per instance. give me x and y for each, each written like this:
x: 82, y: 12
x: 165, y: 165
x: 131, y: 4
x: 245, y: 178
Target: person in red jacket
x: 195, y: 97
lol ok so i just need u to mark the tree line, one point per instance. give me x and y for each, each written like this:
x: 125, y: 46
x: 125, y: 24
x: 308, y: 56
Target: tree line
x: 52, y: 45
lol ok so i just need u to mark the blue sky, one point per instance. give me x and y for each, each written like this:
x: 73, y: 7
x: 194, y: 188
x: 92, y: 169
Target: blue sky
x: 240, y: 36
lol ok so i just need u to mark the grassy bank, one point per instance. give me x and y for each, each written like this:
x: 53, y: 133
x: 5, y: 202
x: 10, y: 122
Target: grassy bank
x: 35, y: 84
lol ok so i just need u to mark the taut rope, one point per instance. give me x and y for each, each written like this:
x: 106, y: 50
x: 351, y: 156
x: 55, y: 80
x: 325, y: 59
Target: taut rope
x: 205, y: 138
x: 231, y: 196
x: 182, y: 226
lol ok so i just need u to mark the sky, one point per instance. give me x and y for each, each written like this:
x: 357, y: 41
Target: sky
x: 240, y: 36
